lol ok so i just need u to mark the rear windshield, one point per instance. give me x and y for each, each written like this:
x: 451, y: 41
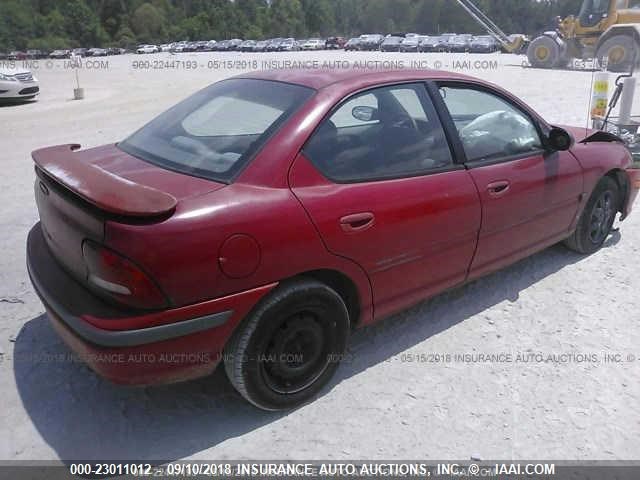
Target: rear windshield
x: 216, y: 131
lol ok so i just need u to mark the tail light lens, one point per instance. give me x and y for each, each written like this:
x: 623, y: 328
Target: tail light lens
x: 120, y: 278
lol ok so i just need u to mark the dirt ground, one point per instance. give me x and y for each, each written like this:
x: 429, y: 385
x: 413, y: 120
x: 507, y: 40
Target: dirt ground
x: 563, y: 328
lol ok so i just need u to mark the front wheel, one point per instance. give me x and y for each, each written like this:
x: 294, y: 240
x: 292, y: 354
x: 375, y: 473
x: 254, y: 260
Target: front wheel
x: 544, y: 52
x: 290, y: 346
x: 618, y: 52
x: 597, y: 218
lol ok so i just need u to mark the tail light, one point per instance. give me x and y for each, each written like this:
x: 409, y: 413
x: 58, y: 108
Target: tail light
x: 120, y: 278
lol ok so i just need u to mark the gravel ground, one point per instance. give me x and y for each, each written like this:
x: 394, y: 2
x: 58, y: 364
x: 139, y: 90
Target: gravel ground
x: 396, y: 399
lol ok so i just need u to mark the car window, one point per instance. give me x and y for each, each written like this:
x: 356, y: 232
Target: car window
x: 216, y: 131
x: 409, y: 100
x: 387, y: 132
x: 489, y: 126
x: 243, y: 117
x: 343, y: 118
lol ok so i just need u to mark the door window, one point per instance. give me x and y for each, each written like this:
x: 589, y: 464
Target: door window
x: 387, y: 132
x: 489, y: 126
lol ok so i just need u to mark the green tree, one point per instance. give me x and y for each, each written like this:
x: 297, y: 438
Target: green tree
x: 319, y: 17
x: 286, y: 18
x: 148, y: 23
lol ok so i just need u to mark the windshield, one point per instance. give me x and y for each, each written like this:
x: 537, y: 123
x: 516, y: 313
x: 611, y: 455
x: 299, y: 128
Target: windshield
x: 216, y: 131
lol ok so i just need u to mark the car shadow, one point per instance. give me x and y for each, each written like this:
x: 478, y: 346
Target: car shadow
x: 17, y: 102
x: 83, y: 417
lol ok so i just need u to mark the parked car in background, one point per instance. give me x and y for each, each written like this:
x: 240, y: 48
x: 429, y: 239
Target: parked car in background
x: 412, y: 44
x: 234, y: 43
x: 313, y: 44
x: 288, y: 45
x: 59, y: 54
x: 179, y: 47
x: 35, y: 54
x: 171, y: 242
x: 116, y: 51
x: 459, y: 43
x: 335, y: 43
x: 142, y: 49
x: 371, y: 41
x: 274, y: 44
x: 247, y: 46
x: 17, y: 55
x: 261, y: 46
x: 211, y: 46
x: 352, y: 44
x: 18, y: 83
x: 190, y: 47
x: 165, y: 47
x: 391, y: 44
x: 204, y: 46
x: 432, y: 44
x: 80, y: 52
x: 97, y: 52
x: 484, y: 44
x: 3, y: 56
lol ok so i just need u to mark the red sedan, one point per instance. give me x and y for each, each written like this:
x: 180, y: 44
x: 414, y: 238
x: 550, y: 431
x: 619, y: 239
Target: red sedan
x: 262, y: 219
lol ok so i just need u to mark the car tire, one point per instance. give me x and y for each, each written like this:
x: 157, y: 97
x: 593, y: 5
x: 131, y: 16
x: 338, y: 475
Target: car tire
x: 289, y: 347
x: 596, y: 219
x: 544, y: 52
x: 618, y: 50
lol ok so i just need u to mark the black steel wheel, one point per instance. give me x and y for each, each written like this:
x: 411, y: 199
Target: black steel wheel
x: 289, y: 346
x: 597, y: 218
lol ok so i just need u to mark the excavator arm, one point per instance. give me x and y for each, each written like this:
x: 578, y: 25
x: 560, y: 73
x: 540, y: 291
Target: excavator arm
x: 510, y: 44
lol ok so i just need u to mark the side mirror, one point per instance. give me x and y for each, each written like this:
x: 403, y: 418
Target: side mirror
x: 559, y: 139
x: 365, y: 114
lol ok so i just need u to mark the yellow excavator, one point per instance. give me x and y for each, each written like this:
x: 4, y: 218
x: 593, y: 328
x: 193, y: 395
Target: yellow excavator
x: 608, y: 30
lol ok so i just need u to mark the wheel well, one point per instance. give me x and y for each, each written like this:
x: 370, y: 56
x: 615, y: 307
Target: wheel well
x: 343, y: 285
x: 615, y: 30
x: 622, y: 181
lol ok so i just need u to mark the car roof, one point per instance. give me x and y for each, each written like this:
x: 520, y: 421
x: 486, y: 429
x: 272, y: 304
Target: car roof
x: 347, y: 78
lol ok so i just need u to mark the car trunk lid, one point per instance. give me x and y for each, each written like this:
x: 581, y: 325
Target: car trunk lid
x: 77, y: 191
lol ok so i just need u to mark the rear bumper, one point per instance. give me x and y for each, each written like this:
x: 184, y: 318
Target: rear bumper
x: 127, y: 346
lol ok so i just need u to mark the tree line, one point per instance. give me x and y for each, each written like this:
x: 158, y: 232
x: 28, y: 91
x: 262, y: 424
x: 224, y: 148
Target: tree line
x: 52, y: 24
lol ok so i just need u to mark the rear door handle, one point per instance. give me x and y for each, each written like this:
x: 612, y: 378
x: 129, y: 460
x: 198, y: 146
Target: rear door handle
x: 498, y: 189
x: 357, y: 222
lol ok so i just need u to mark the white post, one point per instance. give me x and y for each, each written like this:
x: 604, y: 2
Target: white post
x: 626, y: 100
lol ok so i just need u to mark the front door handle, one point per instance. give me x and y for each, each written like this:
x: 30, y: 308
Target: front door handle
x: 498, y: 189
x: 357, y: 222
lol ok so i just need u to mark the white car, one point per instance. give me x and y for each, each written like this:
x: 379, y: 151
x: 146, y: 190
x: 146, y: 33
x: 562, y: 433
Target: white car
x: 166, y: 47
x: 18, y: 83
x: 313, y: 44
x: 148, y: 49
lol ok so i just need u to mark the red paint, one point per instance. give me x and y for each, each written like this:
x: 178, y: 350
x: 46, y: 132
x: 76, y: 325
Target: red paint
x: 223, y: 247
x: 100, y: 187
x: 239, y: 256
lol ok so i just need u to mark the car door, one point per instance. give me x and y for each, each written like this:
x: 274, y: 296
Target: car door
x: 379, y: 182
x: 529, y: 195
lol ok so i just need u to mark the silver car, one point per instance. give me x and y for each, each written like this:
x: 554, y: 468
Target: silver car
x: 18, y: 83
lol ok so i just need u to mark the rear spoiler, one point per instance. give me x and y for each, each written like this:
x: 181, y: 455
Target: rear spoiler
x: 101, y: 188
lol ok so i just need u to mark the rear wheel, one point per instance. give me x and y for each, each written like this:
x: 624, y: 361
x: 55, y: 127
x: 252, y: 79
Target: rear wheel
x: 290, y: 346
x: 544, y: 52
x: 597, y: 218
x: 618, y: 52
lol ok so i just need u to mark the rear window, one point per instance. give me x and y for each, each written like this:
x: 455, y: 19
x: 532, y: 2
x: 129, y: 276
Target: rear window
x: 216, y: 131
